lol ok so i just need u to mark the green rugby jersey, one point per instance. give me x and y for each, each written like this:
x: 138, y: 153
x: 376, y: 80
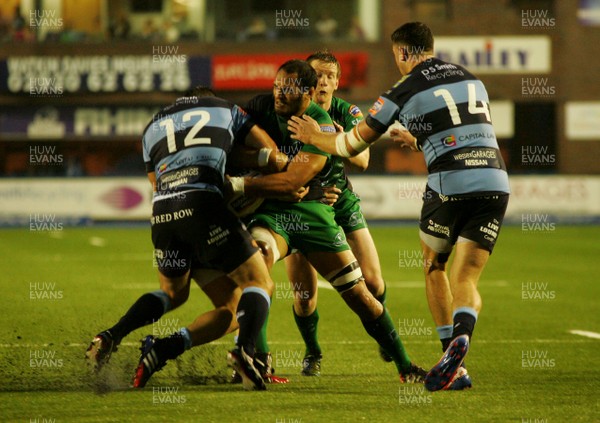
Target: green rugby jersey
x: 262, y: 110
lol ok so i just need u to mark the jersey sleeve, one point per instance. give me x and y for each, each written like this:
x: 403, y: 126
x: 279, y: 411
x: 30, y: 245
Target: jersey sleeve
x: 386, y: 110
x: 242, y: 123
x: 382, y: 114
x: 326, y: 125
x: 149, y: 139
x: 352, y: 116
x: 146, y: 155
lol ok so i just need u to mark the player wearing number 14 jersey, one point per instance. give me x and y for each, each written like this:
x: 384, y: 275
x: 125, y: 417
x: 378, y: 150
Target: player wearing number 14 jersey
x: 446, y: 113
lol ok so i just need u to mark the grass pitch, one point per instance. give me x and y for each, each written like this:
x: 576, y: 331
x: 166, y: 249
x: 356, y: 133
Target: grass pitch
x: 60, y: 288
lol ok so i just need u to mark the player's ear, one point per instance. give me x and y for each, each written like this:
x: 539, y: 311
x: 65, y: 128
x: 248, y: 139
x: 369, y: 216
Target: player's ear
x: 402, y: 56
x: 311, y: 92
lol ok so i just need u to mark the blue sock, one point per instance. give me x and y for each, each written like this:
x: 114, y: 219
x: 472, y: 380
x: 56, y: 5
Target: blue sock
x: 445, y: 334
x: 187, y: 338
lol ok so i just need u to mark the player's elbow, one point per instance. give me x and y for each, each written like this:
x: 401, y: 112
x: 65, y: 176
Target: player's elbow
x: 361, y: 165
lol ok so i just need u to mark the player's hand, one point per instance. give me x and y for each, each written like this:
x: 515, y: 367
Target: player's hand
x: 302, y: 129
x: 404, y: 138
x: 295, y: 197
x: 330, y: 195
x: 227, y: 188
x: 338, y: 127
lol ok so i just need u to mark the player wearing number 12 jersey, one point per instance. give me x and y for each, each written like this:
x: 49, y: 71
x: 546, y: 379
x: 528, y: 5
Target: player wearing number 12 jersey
x: 186, y: 147
x: 446, y: 113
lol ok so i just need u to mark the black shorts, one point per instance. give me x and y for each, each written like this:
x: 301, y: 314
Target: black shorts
x: 194, y: 229
x: 477, y: 218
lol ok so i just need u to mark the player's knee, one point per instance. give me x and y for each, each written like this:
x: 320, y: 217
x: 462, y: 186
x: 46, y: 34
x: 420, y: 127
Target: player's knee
x: 232, y: 300
x: 304, y: 305
x: 267, y: 244
x: 177, y: 289
x: 346, y: 278
x: 374, y: 281
x: 177, y: 298
x: 265, y: 250
x: 436, y: 262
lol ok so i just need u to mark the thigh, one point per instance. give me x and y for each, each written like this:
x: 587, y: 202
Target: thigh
x: 301, y: 274
x: 252, y: 272
x: 220, y: 241
x: 319, y: 232
x: 483, y: 220
x: 437, y: 223
x: 329, y: 264
x: 173, y: 253
x: 364, y: 249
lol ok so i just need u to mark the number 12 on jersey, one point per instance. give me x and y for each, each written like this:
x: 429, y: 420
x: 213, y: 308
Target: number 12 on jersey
x: 473, y: 107
x: 190, y: 138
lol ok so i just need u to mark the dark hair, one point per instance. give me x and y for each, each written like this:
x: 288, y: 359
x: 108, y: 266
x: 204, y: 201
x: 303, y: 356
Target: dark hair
x: 199, y: 91
x: 306, y: 74
x: 414, y: 34
x: 327, y: 57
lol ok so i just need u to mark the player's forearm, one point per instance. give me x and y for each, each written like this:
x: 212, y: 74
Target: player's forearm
x: 324, y: 141
x: 343, y: 144
x: 272, y: 186
x: 360, y: 162
x: 266, y: 160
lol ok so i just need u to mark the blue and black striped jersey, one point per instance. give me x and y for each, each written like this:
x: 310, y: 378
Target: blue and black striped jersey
x: 447, y: 109
x: 186, y: 144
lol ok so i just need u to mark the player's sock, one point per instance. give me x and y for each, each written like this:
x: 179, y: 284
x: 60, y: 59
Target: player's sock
x: 147, y: 309
x: 464, y: 321
x: 381, y: 298
x: 445, y: 334
x: 383, y: 331
x: 173, y: 345
x: 252, y: 312
x: 261, y: 345
x: 307, y: 325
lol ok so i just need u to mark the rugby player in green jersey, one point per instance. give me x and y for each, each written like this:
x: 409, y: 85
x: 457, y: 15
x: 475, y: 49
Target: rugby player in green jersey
x: 309, y: 225
x: 348, y: 214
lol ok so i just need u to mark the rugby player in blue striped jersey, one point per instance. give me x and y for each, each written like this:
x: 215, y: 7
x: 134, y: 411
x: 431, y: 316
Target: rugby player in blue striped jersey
x: 445, y: 110
x: 186, y: 147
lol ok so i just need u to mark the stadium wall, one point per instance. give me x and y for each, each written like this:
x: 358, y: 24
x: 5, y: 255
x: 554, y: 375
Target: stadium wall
x: 573, y: 115
x: 42, y: 203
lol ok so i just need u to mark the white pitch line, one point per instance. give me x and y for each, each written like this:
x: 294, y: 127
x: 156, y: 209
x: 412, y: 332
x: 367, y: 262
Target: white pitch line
x: 96, y: 241
x: 587, y: 334
x: 323, y: 284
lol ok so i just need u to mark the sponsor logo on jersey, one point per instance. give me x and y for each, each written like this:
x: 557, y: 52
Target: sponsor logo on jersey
x: 339, y: 240
x: 377, y: 106
x: 327, y: 128
x: 449, y: 141
x: 355, y: 111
